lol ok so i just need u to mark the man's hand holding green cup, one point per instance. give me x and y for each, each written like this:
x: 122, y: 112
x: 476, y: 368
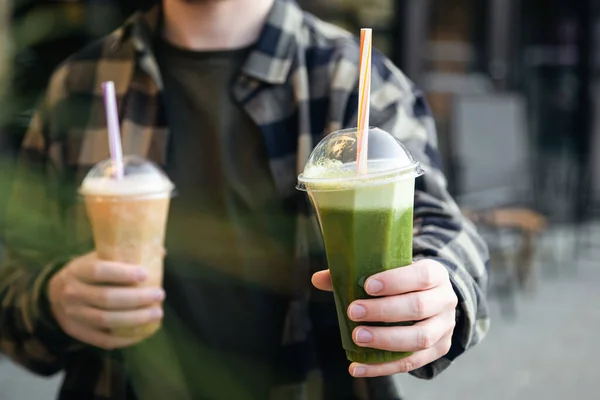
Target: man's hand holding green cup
x: 419, y: 292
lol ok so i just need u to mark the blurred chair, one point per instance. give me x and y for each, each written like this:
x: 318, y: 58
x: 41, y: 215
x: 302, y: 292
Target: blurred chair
x: 495, y: 185
x: 442, y: 87
x: 526, y: 224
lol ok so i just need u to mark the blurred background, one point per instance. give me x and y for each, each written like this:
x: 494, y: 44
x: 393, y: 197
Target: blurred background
x: 515, y: 89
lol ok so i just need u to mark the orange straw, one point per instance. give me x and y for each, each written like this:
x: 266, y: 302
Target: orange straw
x: 364, y: 93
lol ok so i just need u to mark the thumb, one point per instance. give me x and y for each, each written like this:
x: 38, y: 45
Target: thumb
x: 322, y: 280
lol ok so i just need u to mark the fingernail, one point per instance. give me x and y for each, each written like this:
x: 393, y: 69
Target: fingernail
x: 156, y: 313
x: 140, y: 275
x: 158, y: 294
x: 373, y: 286
x: 359, y: 371
x: 363, y: 336
x: 357, y: 311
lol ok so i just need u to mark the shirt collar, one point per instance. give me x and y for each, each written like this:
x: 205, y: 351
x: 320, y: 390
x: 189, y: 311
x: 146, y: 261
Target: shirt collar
x: 274, y: 53
x: 270, y: 60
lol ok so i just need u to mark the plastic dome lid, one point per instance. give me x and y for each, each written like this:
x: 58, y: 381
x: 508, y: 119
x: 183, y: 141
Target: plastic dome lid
x: 332, y: 164
x: 140, y: 177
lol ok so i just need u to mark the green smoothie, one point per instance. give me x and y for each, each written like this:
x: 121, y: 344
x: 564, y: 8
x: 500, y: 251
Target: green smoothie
x: 366, y: 230
x: 366, y: 218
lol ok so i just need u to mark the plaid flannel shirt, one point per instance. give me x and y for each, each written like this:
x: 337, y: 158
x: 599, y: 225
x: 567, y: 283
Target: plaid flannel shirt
x: 299, y: 82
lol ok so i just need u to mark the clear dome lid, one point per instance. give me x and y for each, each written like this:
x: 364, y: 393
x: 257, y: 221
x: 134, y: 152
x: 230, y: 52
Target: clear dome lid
x: 332, y: 163
x: 140, y: 177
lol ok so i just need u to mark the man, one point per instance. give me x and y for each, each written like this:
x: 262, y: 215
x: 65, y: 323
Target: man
x: 228, y: 96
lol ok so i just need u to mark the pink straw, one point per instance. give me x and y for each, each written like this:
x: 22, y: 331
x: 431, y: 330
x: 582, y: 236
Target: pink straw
x: 114, y: 132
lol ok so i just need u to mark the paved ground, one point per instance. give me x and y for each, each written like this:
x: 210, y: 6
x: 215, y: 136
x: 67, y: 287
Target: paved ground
x: 549, y: 351
x: 15, y: 384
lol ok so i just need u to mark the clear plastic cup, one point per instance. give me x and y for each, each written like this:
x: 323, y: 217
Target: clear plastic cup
x: 128, y: 218
x: 366, y: 220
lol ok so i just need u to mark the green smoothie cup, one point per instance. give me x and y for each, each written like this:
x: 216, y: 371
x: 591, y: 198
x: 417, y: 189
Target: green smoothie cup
x: 366, y: 219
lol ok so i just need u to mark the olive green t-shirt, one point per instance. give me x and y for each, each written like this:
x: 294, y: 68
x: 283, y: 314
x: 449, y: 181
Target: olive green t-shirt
x: 229, y: 240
